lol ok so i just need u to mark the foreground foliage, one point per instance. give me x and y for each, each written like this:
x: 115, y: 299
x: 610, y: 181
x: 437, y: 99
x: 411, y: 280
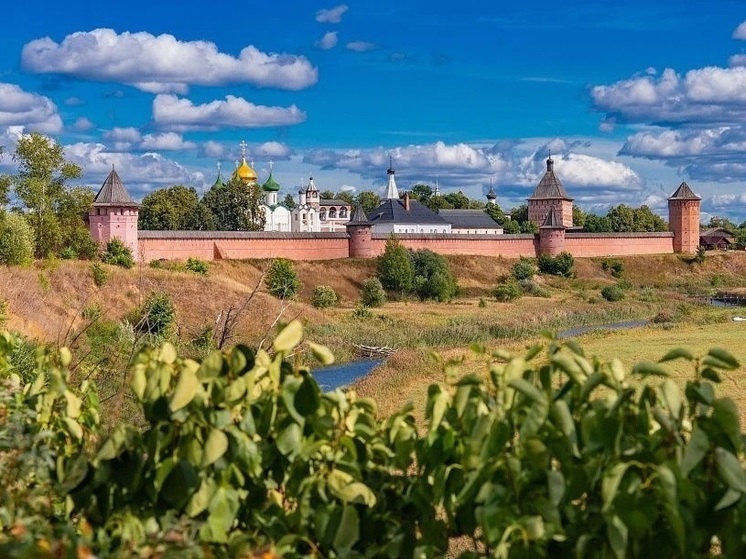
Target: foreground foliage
x: 550, y: 454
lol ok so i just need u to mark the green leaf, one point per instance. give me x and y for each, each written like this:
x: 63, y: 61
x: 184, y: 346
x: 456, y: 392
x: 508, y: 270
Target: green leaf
x: 288, y: 443
x: 139, y: 380
x: 731, y: 497
x: 617, y: 370
x: 725, y: 413
x: 168, y: 353
x: 187, y: 387
x: 201, y: 498
x: 179, y: 484
x: 555, y: 486
x: 534, y: 527
x: 215, y: 446
x: 648, y: 368
x: 73, y: 404
x: 673, y: 398
x: 678, y: 353
x: 617, y: 533
x: 437, y: 405
x: 711, y: 374
x: 348, y: 531
x: 348, y: 489
x: 74, y: 428
x: 724, y: 357
x: 322, y: 353
x: 528, y: 390
x: 695, y: 450
x: 289, y: 337
x: 569, y: 366
x: 290, y: 388
x: 610, y: 484
x: 730, y: 470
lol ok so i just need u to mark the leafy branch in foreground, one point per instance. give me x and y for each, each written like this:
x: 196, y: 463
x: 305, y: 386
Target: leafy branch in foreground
x: 550, y: 454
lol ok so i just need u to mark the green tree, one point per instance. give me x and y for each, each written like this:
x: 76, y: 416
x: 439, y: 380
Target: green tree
x: 368, y: 200
x: 394, y: 267
x: 117, y: 253
x: 524, y: 269
x: 718, y: 222
x: 324, y: 296
x: 281, y: 279
x: 511, y: 227
x: 578, y: 216
x: 372, y: 293
x: 519, y: 214
x: 289, y: 202
x: 236, y: 206
x: 596, y: 224
x: 345, y: 195
x: 421, y: 192
x: 433, y: 278
x: 169, y: 209
x: 496, y: 213
x: 16, y: 239
x: 327, y: 195
x: 458, y: 200
x: 646, y: 220
x: 54, y: 210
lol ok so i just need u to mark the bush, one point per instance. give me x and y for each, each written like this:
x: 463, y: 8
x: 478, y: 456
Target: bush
x: 197, y: 266
x: 100, y: 275
x: 362, y: 312
x: 117, y: 253
x: 157, y: 316
x: 68, y: 253
x: 432, y: 276
x: 524, y: 269
x: 533, y: 289
x: 612, y: 293
x: 394, y: 267
x: 324, y: 297
x: 16, y: 240
x: 701, y: 255
x: 613, y: 266
x: 507, y: 291
x: 560, y: 265
x: 372, y: 293
x: 281, y: 279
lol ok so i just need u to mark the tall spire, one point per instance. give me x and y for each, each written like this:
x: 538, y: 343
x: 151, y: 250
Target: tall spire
x: 491, y: 196
x: 392, y: 193
x: 437, y: 186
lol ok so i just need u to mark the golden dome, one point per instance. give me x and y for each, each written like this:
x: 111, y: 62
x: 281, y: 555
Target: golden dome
x: 246, y: 173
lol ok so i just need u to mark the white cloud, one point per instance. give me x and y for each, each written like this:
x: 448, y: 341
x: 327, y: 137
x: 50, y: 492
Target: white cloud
x: 141, y: 173
x: 31, y: 110
x: 162, y: 63
x: 361, y: 46
x: 332, y: 15
x: 328, y: 41
x: 167, y: 141
x: 74, y: 102
x: 123, y: 139
x: 211, y: 148
x: 276, y: 150
x: 83, y: 124
x: 174, y: 113
x: 740, y: 32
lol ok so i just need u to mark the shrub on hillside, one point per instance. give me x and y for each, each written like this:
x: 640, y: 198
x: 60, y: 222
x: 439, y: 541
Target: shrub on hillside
x: 157, y: 316
x: 16, y: 239
x: 614, y: 266
x: 324, y: 296
x: 524, y: 269
x: 100, y: 275
x: 507, y: 291
x: 394, y: 267
x: 533, y: 289
x: 372, y: 293
x: 281, y: 279
x: 560, y: 265
x: 117, y: 254
x: 432, y: 276
x: 612, y: 293
x: 197, y: 266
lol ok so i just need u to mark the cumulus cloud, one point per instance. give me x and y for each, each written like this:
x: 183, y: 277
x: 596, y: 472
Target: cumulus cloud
x: 141, y: 173
x: 264, y: 151
x: 515, y: 169
x: 162, y: 63
x: 31, y: 110
x: 328, y: 41
x: 82, y: 124
x: 211, y: 148
x: 332, y: 15
x: 74, y: 102
x: 167, y: 141
x: 361, y: 46
x: 740, y: 32
x: 179, y: 114
x: 123, y: 138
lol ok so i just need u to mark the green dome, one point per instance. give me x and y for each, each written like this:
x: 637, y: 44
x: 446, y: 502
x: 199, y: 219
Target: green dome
x: 271, y: 185
x: 218, y: 182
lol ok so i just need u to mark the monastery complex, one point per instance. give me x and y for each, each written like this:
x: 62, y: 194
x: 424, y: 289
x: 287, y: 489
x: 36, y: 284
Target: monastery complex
x: 318, y: 229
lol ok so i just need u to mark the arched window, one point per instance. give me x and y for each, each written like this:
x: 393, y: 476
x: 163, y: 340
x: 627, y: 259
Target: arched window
x: 332, y: 213
x: 342, y: 213
x: 322, y: 215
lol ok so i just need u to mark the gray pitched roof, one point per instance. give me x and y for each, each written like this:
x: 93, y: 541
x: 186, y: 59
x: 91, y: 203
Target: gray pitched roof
x: 358, y: 216
x: 113, y: 193
x: 684, y: 193
x: 550, y: 186
x: 469, y: 219
x: 553, y: 220
x: 392, y: 211
x: 333, y: 202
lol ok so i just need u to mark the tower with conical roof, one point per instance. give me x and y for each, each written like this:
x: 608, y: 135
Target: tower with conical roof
x: 360, y: 231
x: 219, y: 179
x: 244, y: 172
x: 392, y: 193
x: 550, y: 195
x: 113, y: 214
x: 683, y: 219
x: 270, y: 188
x: 552, y: 234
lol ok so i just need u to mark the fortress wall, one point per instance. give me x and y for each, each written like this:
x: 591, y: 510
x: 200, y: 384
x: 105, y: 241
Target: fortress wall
x: 618, y: 244
x: 509, y: 246
x: 209, y: 245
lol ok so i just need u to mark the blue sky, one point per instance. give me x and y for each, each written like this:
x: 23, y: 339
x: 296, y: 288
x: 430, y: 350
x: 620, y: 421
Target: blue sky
x: 630, y: 97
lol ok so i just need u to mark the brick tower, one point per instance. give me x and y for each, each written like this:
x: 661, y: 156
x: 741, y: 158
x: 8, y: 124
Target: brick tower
x: 550, y: 195
x: 552, y: 234
x: 113, y: 214
x: 360, y: 231
x: 683, y: 219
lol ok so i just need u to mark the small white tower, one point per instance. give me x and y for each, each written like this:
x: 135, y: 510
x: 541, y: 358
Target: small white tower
x: 391, y: 191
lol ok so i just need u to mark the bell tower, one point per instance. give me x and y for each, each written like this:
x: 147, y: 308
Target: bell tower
x: 683, y: 219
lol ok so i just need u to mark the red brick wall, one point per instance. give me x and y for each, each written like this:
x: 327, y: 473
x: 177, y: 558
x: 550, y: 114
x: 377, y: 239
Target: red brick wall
x: 618, y: 244
x: 319, y: 246
x: 510, y: 246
